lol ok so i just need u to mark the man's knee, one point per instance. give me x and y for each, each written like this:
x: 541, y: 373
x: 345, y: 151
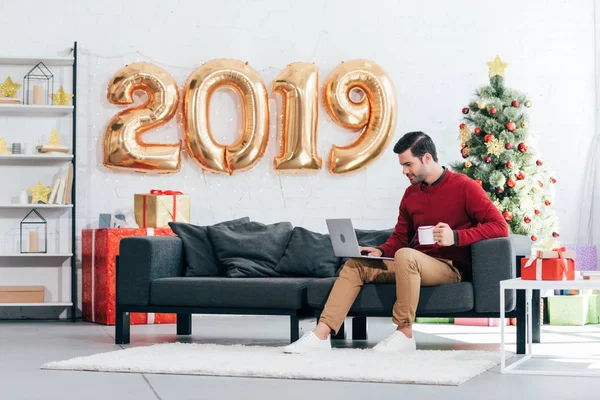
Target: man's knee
x: 406, y: 258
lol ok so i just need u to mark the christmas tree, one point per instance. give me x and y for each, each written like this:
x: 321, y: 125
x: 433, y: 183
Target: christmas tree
x: 499, y: 153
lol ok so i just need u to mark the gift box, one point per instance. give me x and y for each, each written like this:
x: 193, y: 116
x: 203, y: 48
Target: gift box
x: 479, y: 321
x: 573, y: 310
x: 434, y: 320
x: 157, y: 208
x: 586, y: 256
x: 549, y: 265
x: 100, y: 247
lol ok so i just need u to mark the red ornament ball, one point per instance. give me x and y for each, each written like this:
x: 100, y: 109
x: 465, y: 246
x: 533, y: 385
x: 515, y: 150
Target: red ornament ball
x: 515, y: 103
x: 537, y: 212
x: 521, y: 175
x: 553, y: 179
x: 507, y: 215
x: 548, y: 203
x: 477, y: 131
x: 511, y: 126
x: 509, y: 165
x: 527, y: 220
x: 541, y: 184
x: 465, y: 110
x: 479, y: 182
x: 487, y: 159
x: 539, y: 163
x: 555, y: 234
x: 499, y: 190
x: 462, y: 126
x: 523, y: 148
x: 465, y: 152
x: 488, y: 138
x: 508, y: 146
x: 533, y: 238
x: 493, y: 110
x: 510, y: 182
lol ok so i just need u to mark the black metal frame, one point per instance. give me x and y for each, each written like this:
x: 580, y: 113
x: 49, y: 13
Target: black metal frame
x: 359, y: 320
x: 42, y: 76
x: 73, y: 192
x: 44, y: 222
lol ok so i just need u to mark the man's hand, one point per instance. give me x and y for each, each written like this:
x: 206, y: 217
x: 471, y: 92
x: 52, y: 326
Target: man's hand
x: 370, y: 251
x: 443, y: 234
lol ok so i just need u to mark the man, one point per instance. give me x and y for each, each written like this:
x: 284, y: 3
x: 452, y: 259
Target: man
x: 462, y: 215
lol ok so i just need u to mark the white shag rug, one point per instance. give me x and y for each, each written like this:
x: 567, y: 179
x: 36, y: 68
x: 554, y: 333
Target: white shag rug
x: 426, y: 367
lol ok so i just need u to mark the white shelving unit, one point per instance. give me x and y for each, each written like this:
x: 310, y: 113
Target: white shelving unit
x: 56, y: 269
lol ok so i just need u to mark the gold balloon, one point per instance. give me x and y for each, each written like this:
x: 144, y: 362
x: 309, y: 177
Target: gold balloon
x: 123, y: 144
x: 298, y: 84
x: 374, y: 114
x: 203, y: 147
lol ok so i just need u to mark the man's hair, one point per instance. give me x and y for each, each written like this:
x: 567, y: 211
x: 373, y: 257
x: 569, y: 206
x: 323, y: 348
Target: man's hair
x: 419, y: 143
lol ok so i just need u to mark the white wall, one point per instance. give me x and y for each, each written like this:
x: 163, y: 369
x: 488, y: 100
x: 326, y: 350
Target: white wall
x: 434, y: 51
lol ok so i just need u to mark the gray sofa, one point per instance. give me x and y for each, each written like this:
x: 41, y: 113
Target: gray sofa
x: 153, y: 276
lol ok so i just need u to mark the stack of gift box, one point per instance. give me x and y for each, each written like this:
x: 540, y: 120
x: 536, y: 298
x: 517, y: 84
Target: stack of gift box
x: 100, y: 247
x: 559, y: 307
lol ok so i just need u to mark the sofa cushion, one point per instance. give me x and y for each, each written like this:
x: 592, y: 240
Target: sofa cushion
x: 200, y: 259
x: 368, y: 238
x: 269, y: 293
x: 251, y: 249
x: 380, y: 298
x: 308, y: 254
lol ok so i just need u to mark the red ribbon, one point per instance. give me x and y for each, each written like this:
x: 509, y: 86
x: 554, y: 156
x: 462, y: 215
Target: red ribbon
x: 158, y: 192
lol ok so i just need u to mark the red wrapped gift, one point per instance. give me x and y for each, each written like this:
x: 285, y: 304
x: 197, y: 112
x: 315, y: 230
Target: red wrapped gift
x: 549, y: 265
x: 100, y: 247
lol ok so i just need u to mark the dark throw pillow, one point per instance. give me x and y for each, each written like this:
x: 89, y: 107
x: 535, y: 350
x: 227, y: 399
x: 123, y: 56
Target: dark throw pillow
x: 251, y: 249
x: 200, y: 259
x: 308, y: 254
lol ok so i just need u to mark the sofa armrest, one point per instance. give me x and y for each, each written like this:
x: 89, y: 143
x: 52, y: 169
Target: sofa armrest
x: 494, y: 260
x: 143, y: 259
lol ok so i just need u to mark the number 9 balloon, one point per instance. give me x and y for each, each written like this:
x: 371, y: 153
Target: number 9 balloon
x: 374, y: 114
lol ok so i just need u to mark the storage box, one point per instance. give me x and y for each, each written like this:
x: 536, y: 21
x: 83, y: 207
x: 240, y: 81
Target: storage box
x: 100, y: 247
x: 21, y: 294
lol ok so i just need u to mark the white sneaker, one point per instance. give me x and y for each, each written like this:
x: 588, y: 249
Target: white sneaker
x: 396, y: 342
x: 309, y: 342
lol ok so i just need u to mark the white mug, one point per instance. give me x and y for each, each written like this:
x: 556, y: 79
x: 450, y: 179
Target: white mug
x: 426, y: 235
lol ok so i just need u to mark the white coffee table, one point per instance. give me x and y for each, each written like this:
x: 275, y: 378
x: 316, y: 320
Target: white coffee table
x: 529, y: 287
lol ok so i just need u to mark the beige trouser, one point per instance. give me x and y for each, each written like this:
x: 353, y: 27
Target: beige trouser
x: 410, y: 270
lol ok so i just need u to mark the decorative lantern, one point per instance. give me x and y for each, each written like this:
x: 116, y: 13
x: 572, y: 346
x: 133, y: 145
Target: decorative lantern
x: 37, y: 86
x: 34, y: 233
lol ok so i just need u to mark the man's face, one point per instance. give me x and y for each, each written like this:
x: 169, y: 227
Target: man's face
x: 415, y: 170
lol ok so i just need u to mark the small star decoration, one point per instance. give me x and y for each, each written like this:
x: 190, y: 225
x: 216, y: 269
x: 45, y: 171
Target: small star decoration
x: 465, y: 134
x: 497, y: 67
x: 3, y: 148
x: 39, y: 193
x: 61, y: 98
x: 9, y: 88
x: 495, y: 147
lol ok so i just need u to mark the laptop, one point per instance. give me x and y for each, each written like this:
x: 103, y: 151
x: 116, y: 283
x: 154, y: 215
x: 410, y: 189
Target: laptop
x: 344, y: 241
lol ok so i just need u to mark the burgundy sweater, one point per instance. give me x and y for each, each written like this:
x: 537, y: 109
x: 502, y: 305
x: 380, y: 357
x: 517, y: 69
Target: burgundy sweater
x: 456, y: 200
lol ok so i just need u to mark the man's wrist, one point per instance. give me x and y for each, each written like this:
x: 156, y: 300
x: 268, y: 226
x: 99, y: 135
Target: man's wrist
x: 380, y: 250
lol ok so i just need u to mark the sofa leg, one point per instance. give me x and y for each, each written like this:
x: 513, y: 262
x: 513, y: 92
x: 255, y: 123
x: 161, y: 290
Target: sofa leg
x: 184, y: 324
x: 122, y: 327
x: 521, y: 321
x: 341, y: 335
x: 535, y: 318
x: 294, y: 328
x: 359, y: 328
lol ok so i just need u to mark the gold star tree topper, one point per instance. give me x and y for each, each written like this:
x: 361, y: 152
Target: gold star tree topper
x: 3, y: 148
x: 39, y: 193
x: 497, y: 67
x: 61, y: 98
x: 9, y: 88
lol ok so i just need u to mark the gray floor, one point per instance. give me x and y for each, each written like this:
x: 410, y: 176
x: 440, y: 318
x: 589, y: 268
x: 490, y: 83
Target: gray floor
x: 25, y: 345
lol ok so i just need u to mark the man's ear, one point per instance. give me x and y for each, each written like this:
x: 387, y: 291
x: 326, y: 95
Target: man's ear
x: 427, y: 158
